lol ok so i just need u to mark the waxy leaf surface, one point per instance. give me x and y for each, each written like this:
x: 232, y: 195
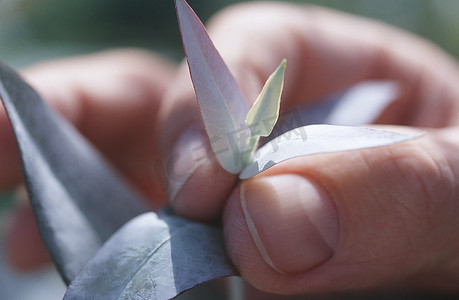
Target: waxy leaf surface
x: 78, y: 201
x: 153, y: 258
x: 223, y: 107
x: 315, y: 139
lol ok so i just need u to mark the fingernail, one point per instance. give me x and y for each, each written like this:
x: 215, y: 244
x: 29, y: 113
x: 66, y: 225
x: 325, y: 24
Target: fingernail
x: 292, y: 220
x: 188, y: 153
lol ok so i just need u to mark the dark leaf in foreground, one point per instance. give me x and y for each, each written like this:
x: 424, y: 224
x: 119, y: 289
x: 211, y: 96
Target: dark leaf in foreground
x: 153, y: 257
x: 78, y: 201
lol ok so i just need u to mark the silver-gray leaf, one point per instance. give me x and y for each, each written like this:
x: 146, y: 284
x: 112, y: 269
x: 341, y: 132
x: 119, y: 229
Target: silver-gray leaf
x: 315, y: 139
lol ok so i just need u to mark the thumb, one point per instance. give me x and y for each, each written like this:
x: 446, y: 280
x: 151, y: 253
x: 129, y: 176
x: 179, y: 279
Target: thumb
x: 351, y: 220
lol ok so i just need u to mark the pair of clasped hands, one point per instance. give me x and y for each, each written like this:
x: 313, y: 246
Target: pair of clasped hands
x: 374, y: 218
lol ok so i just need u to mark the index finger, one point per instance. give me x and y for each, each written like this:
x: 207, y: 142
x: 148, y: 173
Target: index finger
x: 327, y: 51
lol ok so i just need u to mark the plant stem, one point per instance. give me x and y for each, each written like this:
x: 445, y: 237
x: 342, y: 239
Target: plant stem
x: 236, y: 288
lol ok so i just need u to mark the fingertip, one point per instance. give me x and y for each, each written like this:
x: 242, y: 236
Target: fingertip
x: 197, y: 184
x: 241, y: 248
x: 203, y: 194
x: 278, y: 228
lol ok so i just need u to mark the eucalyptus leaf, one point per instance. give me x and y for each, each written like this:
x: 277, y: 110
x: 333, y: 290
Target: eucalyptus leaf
x: 223, y: 107
x: 358, y: 105
x: 315, y: 139
x: 363, y: 103
x: 263, y: 115
x: 77, y: 198
x: 153, y: 258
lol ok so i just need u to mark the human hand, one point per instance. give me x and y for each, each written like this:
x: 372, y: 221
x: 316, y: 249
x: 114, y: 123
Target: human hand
x: 112, y: 98
x: 355, y: 220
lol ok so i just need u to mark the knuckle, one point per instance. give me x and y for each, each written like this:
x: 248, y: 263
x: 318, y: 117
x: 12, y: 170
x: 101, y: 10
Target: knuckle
x: 427, y: 178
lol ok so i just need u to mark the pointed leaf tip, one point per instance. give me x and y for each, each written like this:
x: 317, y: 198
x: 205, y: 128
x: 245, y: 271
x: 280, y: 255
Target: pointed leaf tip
x: 222, y: 105
x: 264, y: 113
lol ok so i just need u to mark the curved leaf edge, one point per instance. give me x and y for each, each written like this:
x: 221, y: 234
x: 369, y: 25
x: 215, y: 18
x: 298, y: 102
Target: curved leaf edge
x: 179, y: 228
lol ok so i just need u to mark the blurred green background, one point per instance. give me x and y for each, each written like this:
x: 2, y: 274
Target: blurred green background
x: 31, y: 30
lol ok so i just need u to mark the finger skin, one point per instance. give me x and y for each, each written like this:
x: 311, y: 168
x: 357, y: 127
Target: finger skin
x: 24, y: 248
x: 9, y: 158
x: 325, y: 55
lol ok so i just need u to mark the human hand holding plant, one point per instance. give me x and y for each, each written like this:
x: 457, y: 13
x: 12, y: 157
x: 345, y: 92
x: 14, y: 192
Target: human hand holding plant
x: 336, y: 221
x: 350, y: 220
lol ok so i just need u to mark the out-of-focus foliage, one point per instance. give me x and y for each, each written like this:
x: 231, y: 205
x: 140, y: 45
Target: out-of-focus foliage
x: 435, y: 20
x: 46, y: 28
x: 30, y: 29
